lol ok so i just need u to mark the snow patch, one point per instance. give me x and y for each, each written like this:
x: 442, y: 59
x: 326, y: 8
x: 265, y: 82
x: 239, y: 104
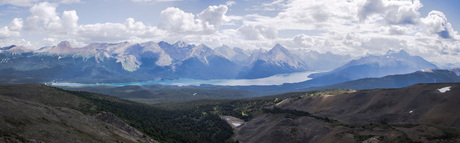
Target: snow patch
x: 444, y: 89
x: 236, y: 124
x: 427, y: 70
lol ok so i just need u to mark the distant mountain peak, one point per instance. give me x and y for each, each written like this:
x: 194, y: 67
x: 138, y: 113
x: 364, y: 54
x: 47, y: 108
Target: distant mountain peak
x: 64, y: 44
x: 15, y: 49
x: 7, y: 48
x: 181, y: 44
x: 278, y: 48
x: 201, y: 51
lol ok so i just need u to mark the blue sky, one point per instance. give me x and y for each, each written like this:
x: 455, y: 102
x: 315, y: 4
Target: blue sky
x: 358, y: 27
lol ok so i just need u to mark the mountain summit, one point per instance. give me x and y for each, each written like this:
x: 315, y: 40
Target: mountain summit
x: 277, y: 60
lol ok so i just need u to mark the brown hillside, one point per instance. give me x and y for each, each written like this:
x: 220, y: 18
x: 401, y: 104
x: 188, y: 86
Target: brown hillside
x: 421, y: 103
x: 419, y: 113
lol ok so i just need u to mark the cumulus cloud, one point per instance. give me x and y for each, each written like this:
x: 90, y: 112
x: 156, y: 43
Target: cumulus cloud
x: 397, y: 30
x: 113, y: 32
x: 213, y: 15
x: 436, y: 23
x: 258, y: 32
x: 207, y: 22
x: 64, y: 26
x: 393, y: 12
x: 371, y: 7
x: 12, y: 30
x: 309, y: 15
x: 16, y: 24
x: 44, y: 18
x: 230, y: 3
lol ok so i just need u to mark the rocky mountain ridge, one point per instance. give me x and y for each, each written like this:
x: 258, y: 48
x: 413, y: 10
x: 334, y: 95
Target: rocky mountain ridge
x: 418, y: 113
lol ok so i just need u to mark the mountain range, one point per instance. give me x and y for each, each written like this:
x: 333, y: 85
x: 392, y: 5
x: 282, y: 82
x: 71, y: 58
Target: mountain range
x: 134, y: 62
x: 398, y: 80
x: 372, y: 66
x: 128, y: 62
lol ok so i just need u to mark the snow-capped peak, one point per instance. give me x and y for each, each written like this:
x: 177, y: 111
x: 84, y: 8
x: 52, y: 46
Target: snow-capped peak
x: 201, y: 52
x: 180, y: 44
x: 278, y: 48
x: 279, y: 55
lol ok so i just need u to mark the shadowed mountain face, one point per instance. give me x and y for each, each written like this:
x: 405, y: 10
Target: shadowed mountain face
x: 418, y: 113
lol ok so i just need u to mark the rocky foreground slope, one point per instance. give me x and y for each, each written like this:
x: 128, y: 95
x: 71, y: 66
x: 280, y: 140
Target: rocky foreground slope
x: 418, y: 113
x: 34, y: 113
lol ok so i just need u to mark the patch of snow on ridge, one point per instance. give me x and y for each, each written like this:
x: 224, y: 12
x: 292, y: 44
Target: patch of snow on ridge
x: 236, y: 124
x: 444, y: 89
x: 427, y: 70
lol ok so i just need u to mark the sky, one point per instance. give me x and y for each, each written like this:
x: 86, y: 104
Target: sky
x: 425, y: 28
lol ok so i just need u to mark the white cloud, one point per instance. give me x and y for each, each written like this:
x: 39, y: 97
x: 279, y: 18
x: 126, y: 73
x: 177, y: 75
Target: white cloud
x: 45, y: 20
x: 17, y: 42
x: 274, y: 5
x: 12, y: 30
x: 369, y: 8
x: 176, y: 20
x: 213, y: 15
x: 69, y: 1
x: 16, y: 24
x: 114, y: 32
x: 259, y: 32
x: 393, y: 12
x: 230, y: 3
x: 43, y: 15
x: 436, y: 23
x: 208, y: 21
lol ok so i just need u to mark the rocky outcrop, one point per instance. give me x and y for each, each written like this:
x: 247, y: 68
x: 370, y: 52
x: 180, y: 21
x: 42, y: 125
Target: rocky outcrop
x: 113, y: 120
